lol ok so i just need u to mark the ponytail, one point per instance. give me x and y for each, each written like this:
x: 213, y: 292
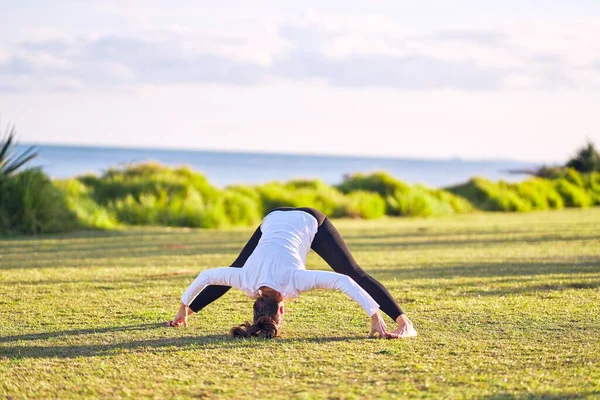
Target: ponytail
x: 264, y: 327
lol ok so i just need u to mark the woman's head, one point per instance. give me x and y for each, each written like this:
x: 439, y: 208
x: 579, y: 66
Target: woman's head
x: 268, y: 315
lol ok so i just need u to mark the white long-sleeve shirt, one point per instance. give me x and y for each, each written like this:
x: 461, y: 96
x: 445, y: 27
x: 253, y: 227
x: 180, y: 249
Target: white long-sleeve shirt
x: 279, y: 262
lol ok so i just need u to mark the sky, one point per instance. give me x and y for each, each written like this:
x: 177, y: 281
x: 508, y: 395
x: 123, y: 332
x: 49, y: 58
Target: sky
x: 430, y: 79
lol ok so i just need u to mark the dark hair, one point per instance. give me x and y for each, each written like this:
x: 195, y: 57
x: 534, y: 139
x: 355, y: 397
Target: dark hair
x: 265, y: 323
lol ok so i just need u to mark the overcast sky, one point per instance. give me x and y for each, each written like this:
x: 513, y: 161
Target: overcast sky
x: 436, y: 79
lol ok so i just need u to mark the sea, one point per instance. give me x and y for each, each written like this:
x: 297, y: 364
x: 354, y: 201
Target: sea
x: 227, y: 168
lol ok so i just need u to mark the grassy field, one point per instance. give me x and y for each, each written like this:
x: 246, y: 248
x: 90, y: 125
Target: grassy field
x: 506, y: 305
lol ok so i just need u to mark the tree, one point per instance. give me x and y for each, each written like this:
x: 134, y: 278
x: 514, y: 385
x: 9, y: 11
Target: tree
x: 587, y: 159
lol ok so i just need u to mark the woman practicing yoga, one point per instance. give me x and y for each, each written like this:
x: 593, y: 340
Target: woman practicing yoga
x: 272, y: 268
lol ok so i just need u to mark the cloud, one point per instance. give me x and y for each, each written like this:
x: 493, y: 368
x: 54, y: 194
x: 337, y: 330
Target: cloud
x: 342, y: 51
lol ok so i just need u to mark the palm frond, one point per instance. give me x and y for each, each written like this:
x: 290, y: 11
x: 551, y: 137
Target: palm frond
x: 7, y: 142
x: 9, y: 161
x: 23, y: 158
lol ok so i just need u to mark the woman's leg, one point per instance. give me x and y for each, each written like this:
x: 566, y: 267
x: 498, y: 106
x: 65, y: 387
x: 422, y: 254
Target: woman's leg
x: 213, y: 292
x: 328, y: 243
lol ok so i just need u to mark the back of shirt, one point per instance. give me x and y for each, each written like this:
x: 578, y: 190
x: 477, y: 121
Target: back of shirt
x: 283, y: 247
x: 291, y: 230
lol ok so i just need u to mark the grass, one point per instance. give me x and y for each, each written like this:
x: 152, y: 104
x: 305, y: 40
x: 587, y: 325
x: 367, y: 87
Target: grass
x: 506, y: 305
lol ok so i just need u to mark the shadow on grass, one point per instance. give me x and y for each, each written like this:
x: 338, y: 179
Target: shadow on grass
x: 147, y: 345
x: 75, y: 332
x: 118, y: 282
x: 139, y: 244
x: 135, y: 249
x: 534, y: 289
x: 588, y: 265
x: 98, y: 234
x: 546, y: 396
x: 468, y: 241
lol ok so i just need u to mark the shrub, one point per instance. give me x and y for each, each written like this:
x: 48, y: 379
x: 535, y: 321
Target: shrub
x: 329, y: 200
x: 574, y: 177
x: 366, y: 205
x: 240, y: 209
x: 572, y: 195
x: 531, y: 194
x: 305, y: 184
x: 80, y: 202
x: 594, y: 187
x: 378, y: 182
x: 422, y: 202
x: 489, y: 196
x: 146, y: 179
x: 30, y: 203
x: 457, y: 204
x: 541, y: 193
x: 414, y: 203
x: 274, y: 195
x: 251, y: 193
x: 189, y: 209
x: 150, y: 194
x: 316, y: 194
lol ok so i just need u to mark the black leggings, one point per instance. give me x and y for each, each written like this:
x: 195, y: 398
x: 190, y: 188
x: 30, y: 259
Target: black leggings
x: 328, y: 244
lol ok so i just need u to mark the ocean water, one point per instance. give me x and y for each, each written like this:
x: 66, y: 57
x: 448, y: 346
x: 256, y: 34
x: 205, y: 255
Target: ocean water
x: 225, y: 168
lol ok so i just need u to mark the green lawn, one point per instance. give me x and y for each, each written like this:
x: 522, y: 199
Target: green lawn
x: 506, y: 306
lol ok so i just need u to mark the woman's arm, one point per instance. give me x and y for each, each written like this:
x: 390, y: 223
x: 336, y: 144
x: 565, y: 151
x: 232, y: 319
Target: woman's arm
x: 307, y: 280
x: 216, y: 276
x: 213, y: 292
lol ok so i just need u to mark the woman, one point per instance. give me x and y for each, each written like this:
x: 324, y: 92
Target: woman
x: 274, y: 269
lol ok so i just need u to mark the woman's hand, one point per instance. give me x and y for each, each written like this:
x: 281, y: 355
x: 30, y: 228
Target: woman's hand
x: 180, y: 319
x: 378, y: 326
x: 405, y: 327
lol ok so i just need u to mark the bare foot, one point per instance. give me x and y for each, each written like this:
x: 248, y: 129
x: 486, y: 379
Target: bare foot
x: 405, y: 327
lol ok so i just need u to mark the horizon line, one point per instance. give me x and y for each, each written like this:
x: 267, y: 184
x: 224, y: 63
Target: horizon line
x: 284, y: 153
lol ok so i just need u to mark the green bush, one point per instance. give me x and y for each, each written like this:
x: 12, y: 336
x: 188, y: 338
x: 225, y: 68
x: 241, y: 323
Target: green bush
x: 571, y: 190
x: 148, y: 209
x: 572, y: 195
x: 574, y: 177
x: 31, y: 204
x: 414, y: 203
x: 80, y: 202
x: 274, y: 195
x: 457, y: 204
x: 366, y: 205
x: 241, y: 209
x: 150, y: 194
x: 146, y: 179
x: 316, y: 194
x: 187, y: 208
x: 419, y: 201
x: 491, y: 196
x: 541, y: 193
x: 305, y: 184
x: 594, y: 187
x: 378, y: 182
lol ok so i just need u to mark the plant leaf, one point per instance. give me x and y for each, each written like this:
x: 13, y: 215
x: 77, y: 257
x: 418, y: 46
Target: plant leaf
x: 7, y: 144
x: 10, y: 162
x: 19, y: 162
